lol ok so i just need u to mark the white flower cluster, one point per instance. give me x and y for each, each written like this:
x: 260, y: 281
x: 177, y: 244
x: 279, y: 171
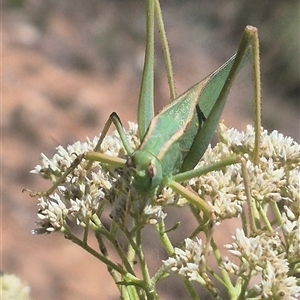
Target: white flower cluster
x: 276, y: 177
x: 265, y: 255
x: 11, y: 287
x: 275, y: 180
x: 81, y: 193
x: 189, y: 262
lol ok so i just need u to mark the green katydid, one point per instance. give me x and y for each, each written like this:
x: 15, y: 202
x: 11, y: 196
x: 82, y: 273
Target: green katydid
x: 173, y: 141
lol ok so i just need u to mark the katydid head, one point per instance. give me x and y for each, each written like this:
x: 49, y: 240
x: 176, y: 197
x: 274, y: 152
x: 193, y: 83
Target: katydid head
x: 146, y: 170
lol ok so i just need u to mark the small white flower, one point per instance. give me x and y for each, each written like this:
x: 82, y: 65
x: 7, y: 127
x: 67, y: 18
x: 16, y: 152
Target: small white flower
x: 276, y: 284
x: 189, y: 262
x: 154, y: 212
x: 253, y: 252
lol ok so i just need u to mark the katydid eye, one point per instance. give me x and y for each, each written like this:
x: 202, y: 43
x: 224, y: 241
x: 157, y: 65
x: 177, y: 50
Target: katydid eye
x: 151, y: 170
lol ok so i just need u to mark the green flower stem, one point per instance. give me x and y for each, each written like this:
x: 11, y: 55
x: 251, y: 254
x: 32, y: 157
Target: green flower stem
x: 161, y: 273
x: 86, y: 247
x: 130, y: 293
x: 85, y: 234
x: 128, y: 277
x: 113, y: 273
x: 148, y: 286
x: 131, y: 238
x: 203, y: 222
x: 160, y: 226
x: 244, y: 222
x: 243, y: 284
x: 266, y: 221
x: 276, y: 212
x: 226, y: 279
x: 253, y: 213
x: 130, y: 255
x: 99, y: 230
x: 190, y: 289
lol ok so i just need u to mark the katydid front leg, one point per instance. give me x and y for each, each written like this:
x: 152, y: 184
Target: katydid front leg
x: 93, y: 156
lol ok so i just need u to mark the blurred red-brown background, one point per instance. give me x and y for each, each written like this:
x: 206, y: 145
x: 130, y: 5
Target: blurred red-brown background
x: 66, y: 65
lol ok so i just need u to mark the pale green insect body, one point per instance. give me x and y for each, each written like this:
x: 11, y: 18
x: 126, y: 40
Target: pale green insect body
x: 172, y: 132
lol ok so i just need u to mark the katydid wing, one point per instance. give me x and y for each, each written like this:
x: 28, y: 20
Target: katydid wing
x: 172, y: 132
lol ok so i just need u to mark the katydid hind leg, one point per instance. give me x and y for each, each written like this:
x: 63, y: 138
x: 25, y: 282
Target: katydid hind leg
x: 249, y: 44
